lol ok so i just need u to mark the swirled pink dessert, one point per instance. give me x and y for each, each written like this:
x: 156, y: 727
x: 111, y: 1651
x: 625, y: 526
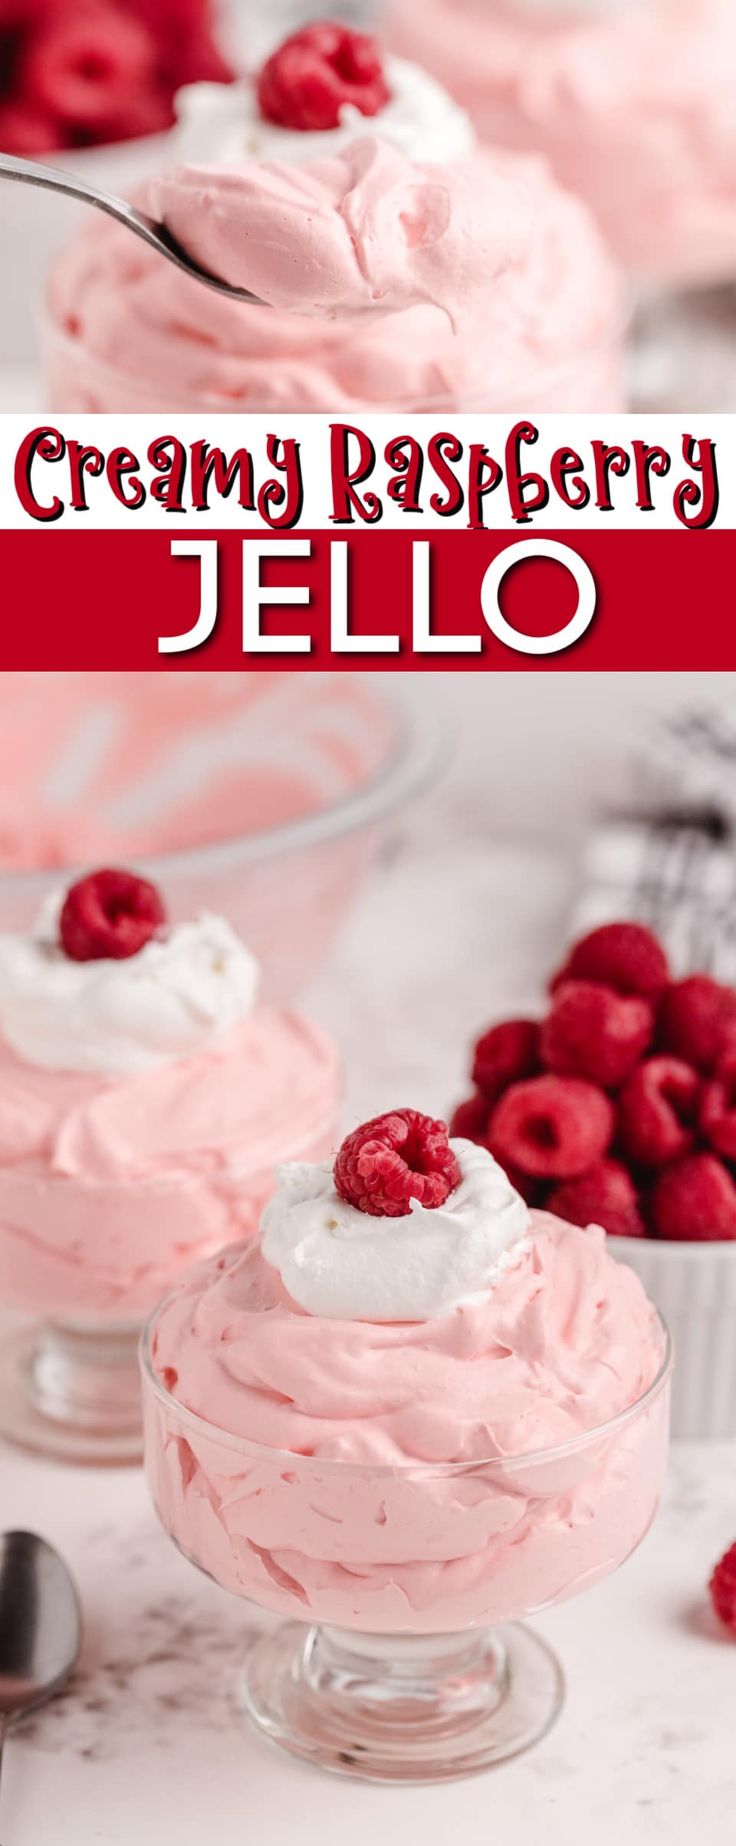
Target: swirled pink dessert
x: 406, y: 1406
x: 400, y: 265
x: 631, y: 101
x: 145, y: 1097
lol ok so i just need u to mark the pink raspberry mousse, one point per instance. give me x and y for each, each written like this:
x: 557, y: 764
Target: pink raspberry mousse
x: 401, y: 266
x: 144, y: 1102
x: 304, y: 1382
x: 630, y: 100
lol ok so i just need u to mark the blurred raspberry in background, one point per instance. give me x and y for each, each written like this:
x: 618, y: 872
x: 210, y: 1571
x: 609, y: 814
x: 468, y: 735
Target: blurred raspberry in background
x: 102, y: 71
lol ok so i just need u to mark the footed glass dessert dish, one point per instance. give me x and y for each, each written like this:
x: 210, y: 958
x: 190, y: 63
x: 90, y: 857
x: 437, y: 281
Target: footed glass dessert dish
x: 402, y: 1658
x: 408, y: 1413
x: 146, y: 1095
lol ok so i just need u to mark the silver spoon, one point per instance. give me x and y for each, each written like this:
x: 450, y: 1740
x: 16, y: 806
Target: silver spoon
x: 53, y: 179
x: 40, y: 1625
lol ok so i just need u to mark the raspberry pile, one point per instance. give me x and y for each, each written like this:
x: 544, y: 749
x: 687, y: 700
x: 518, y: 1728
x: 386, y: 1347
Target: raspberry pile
x: 393, y: 1159
x: 619, y: 1107
x: 307, y: 81
x: 722, y: 1588
x: 109, y: 916
x: 100, y: 71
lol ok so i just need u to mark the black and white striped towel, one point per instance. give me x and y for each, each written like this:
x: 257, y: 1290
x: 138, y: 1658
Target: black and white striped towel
x: 674, y: 866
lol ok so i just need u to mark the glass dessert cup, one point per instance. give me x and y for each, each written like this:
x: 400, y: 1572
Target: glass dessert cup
x: 69, y: 1379
x: 593, y: 378
x: 296, y: 776
x: 402, y: 1659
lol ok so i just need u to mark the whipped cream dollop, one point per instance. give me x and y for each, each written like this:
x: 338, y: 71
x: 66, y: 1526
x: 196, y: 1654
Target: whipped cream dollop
x: 222, y: 125
x: 173, y: 1000
x: 342, y: 1264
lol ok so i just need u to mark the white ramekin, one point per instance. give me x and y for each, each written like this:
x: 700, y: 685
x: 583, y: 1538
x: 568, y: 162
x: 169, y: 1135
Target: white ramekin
x: 694, y: 1287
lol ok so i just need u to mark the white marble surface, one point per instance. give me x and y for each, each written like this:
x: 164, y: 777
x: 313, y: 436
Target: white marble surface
x: 149, y: 1748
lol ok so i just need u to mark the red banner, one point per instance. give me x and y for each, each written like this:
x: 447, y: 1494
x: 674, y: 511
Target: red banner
x: 94, y: 599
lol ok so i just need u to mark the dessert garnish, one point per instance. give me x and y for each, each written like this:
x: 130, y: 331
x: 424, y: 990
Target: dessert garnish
x: 553, y: 1126
x: 657, y: 1109
x: 309, y: 79
x: 619, y: 1108
x: 722, y: 1588
x: 504, y: 1055
x: 605, y: 1194
x: 110, y: 915
x: 694, y: 1019
x: 593, y: 1032
x: 102, y: 72
x: 624, y: 956
x: 694, y: 1201
x: 393, y: 1159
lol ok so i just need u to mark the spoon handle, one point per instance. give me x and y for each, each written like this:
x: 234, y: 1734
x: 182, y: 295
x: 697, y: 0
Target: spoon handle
x: 56, y: 179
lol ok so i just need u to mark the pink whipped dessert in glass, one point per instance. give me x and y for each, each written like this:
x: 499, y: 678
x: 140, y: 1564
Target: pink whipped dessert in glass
x: 411, y: 1408
x: 400, y: 264
x: 630, y: 100
x: 145, y: 1097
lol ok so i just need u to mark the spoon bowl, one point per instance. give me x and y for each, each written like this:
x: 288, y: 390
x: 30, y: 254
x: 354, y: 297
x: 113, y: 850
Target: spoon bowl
x: 53, y: 179
x: 40, y: 1625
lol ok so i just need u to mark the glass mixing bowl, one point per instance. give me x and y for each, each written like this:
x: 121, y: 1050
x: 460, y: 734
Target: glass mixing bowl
x: 260, y: 796
x: 401, y: 1659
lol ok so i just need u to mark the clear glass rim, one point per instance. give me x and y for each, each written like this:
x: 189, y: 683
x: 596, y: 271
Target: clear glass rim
x: 419, y: 748
x: 608, y: 338
x: 410, y: 1470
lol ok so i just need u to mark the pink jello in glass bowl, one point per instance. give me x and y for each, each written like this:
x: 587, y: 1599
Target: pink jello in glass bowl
x: 260, y: 796
x: 410, y: 1413
x: 399, y: 264
x: 146, y: 1095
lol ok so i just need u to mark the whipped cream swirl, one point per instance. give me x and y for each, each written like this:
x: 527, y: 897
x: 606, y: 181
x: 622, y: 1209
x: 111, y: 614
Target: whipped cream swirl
x: 220, y: 124
x: 172, y: 1001
x: 343, y: 1264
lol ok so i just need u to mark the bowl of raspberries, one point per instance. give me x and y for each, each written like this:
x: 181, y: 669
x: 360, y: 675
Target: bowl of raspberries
x: 89, y: 87
x: 617, y: 1107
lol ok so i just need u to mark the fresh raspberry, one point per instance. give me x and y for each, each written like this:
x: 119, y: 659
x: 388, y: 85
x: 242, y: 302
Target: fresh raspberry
x: 109, y: 916
x: 505, y: 1054
x: 694, y: 1201
x: 657, y: 1109
x: 625, y: 956
x: 604, y: 1195
x: 470, y: 1119
x: 718, y: 1107
x: 695, y: 1018
x: 307, y: 82
x: 722, y: 1588
x: 595, y: 1033
x: 393, y: 1159
x: 552, y: 1127
x: 85, y: 70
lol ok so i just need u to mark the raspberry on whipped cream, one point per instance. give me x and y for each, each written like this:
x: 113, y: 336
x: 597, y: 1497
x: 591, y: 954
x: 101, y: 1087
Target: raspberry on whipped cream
x: 173, y: 999
x: 347, y: 1263
x: 343, y: 1352
x: 110, y: 915
x: 320, y: 71
x: 394, y: 1162
x: 224, y: 124
x: 144, y: 1104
